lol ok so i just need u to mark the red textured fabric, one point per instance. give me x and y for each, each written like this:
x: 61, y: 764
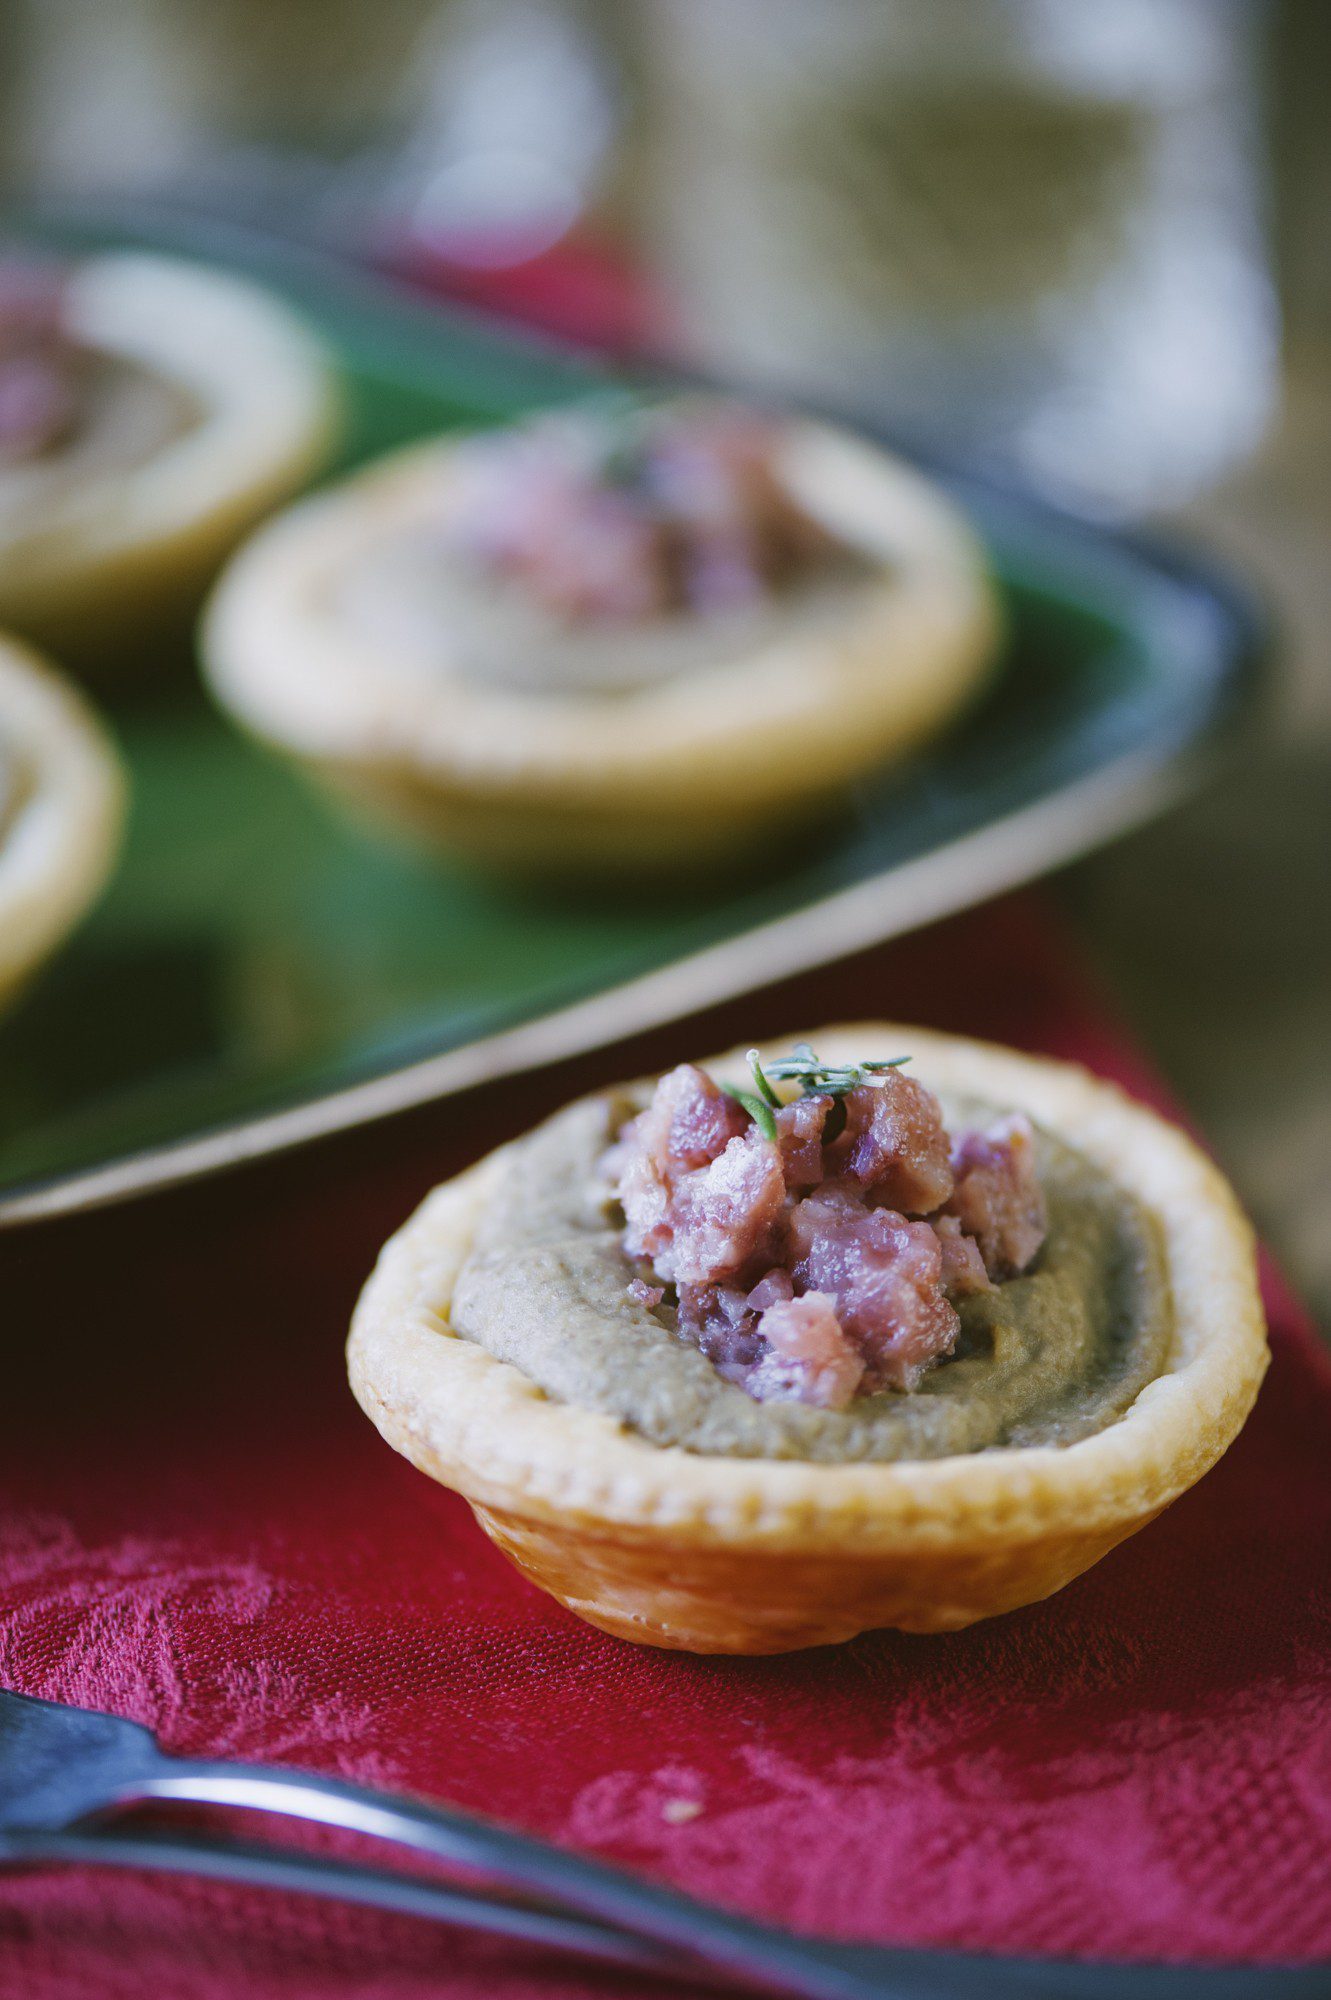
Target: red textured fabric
x: 201, y: 1531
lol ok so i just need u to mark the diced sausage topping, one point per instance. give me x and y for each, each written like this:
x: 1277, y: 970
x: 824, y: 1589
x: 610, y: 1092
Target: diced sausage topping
x: 616, y: 518
x: 963, y: 1262
x: 39, y: 365
x: 806, y: 1356
x: 883, y: 1274
x: 700, y: 1185
x: 997, y: 1198
x: 814, y: 1248
x: 894, y: 1142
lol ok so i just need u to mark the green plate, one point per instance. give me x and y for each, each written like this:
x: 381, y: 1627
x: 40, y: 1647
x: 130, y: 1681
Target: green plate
x: 261, y: 971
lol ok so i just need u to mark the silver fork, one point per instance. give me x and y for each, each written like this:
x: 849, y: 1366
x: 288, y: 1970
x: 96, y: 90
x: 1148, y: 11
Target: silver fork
x: 63, y: 1770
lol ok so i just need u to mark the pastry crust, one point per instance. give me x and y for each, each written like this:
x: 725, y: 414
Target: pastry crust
x: 714, y: 759
x: 713, y: 1554
x: 57, y: 846
x: 122, y: 556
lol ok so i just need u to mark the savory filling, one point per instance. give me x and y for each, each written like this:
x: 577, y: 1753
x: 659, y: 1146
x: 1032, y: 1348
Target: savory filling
x: 39, y: 365
x: 815, y: 1249
x: 70, y: 412
x: 621, y: 519
x: 15, y: 787
x: 603, y: 549
x: 831, y: 1277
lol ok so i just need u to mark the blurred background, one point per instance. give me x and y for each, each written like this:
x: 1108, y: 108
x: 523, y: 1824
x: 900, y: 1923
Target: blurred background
x: 1088, y: 243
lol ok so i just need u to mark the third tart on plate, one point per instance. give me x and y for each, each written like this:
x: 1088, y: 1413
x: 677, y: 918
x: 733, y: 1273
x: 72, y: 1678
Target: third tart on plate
x: 787, y: 1346
x: 151, y: 410
x: 620, y: 637
x: 61, y: 806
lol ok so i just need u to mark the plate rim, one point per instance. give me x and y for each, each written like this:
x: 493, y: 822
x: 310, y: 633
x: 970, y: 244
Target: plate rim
x: 1001, y: 855
x: 1032, y: 840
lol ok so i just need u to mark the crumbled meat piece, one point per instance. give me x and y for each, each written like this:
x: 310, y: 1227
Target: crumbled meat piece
x: 963, y: 1266
x: 799, y: 1136
x: 690, y: 1121
x: 773, y: 1290
x: 701, y: 1187
x: 998, y: 1198
x: 645, y: 1195
x: 38, y: 364
x: 808, y: 1358
x: 816, y: 1268
x: 720, y: 1320
x: 723, y: 1216
x: 614, y: 522
x: 895, y: 1143
x: 687, y: 1125
x: 884, y: 1276
x: 585, y: 553
x: 775, y: 1345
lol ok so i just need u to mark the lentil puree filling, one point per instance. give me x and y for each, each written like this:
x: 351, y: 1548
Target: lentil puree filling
x: 931, y: 1296
x: 599, y: 552
x: 70, y: 413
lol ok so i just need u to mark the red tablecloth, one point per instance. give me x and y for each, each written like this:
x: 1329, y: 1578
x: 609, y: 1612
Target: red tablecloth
x: 201, y: 1531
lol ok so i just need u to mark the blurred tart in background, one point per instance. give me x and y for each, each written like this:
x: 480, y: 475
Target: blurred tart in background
x: 150, y: 412
x: 624, y: 635
x: 61, y: 806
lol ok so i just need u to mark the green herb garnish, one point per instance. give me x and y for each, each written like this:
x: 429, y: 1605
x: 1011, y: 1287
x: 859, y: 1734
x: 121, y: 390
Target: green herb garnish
x: 619, y: 435
x: 815, y: 1079
x: 757, y: 1107
x: 819, y: 1079
x: 765, y: 1089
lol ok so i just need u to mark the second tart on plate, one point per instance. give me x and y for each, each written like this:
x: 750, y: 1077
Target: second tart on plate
x: 61, y: 807
x: 616, y: 639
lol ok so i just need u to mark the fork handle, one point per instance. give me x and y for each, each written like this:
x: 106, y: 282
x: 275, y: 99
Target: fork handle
x: 756, y: 1952
x: 225, y: 1860
x: 763, y: 1954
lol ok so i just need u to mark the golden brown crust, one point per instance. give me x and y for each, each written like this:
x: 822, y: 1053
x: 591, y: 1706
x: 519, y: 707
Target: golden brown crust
x: 700, y: 763
x: 744, y: 1555
x: 121, y: 557
x: 57, y: 847
x: 746, y: 1600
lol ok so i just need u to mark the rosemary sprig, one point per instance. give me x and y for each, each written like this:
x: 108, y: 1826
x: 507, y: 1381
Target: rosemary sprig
x: 819, y: 1079
x: 757, y: 1107
x: 765, y: 1089
x: 815, y: 1079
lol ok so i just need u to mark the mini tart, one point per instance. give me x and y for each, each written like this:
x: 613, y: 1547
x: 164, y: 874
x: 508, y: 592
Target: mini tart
x: 61, y: 805
x: 97, y: 568
x: 721, y: 758
x: 727, y: 1555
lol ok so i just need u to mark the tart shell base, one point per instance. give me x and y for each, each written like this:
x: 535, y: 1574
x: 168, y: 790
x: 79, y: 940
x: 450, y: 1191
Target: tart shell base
x: 718, y: 1601
x: 545, y: 841
x: 56, y: 854
x: 719, y: 761
x: 744, y: 1555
